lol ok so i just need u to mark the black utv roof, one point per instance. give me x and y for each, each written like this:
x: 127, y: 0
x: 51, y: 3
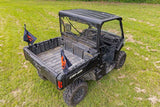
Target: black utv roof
x: 89, y: 16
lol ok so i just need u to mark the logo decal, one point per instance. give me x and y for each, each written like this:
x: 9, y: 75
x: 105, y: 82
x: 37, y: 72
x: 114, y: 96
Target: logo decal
x: 75, y: 74
x: 63, y: 62
x: 29, y: 38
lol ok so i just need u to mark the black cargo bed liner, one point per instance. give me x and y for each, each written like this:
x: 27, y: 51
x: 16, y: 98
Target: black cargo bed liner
x: 52, y: 59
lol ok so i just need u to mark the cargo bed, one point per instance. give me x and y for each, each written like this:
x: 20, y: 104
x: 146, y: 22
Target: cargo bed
x: 46, y: 57
x: 52, y: 59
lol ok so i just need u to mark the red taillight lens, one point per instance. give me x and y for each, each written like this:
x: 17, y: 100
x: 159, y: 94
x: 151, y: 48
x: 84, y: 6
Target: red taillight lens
x: 60, y: 84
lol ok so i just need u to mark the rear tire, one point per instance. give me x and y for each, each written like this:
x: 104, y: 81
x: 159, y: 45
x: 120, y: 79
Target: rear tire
x: 120, y: 59
x: 41, y: 76
x: 75, y: 92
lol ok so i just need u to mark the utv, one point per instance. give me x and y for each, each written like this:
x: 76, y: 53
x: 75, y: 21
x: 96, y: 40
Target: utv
x: 91, y: 41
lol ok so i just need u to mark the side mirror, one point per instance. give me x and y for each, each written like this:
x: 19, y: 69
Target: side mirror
x: 67, y: 27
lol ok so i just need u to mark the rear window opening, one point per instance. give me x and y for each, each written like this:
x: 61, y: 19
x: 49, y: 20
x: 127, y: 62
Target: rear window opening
x: 79, y: 31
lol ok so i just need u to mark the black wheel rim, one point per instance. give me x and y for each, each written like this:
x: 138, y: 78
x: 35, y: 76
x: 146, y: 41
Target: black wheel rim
x: 122, y: 61
x: 78, y: 95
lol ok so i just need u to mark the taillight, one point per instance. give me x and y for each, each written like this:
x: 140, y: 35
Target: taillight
x: 60, y: 84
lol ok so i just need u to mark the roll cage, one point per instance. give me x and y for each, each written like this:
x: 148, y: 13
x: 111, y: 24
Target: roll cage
x: 92, y: 18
